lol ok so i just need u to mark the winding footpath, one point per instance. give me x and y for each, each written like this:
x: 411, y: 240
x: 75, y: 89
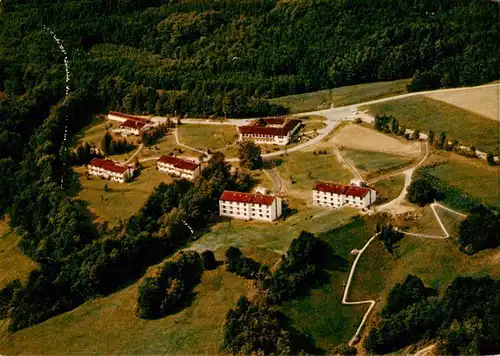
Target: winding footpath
x: 372, y: 302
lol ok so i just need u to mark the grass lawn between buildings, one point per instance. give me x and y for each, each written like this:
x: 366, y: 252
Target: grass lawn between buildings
x: 371, y: 163
x: 203, y: 137
x: 342, y: 96
x: 424, y: 113
x: 121, y: 200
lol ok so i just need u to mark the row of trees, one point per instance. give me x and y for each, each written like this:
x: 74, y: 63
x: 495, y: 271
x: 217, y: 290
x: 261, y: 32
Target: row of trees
x: 150, y: 137
x: 170, y: 288
x: 244, y: 266
x: 110, y: 146
x: 464, y: 321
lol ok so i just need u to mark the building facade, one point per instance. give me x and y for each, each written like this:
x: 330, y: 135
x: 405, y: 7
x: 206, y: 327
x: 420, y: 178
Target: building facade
x: 334, y: 195
x: 178, y: 167
x: 270, y: 131
x: 250, y: 206
x: 111, y: 170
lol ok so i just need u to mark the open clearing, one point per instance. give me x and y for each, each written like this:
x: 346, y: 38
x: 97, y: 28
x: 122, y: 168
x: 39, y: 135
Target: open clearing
x: 371, y: 163
x: 275, y: 236
x: 305, y: 168
x: 165, y: 146
x: 321, y: 315
x: 203, y: 137
x: 353, y: 94
x: 482, y: 101
x: 472, y: 176
x: 389, y: 188
x: 423, y: 113
x: 359, y: 137
x: 123, y: 199
x: 13, y: 263
x: 108, y: 325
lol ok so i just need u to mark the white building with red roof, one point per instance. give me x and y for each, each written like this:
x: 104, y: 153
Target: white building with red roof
x: 250, y: 206
x: 131, y: 124
x: 178, y: 167
x: 111, y: 170
x: 270, y: 131
x: 334, y: 195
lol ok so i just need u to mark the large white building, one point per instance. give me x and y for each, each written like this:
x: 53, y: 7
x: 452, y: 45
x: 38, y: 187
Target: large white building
x: 111, y: 170
x: 333, y: 195
x: 270, y: 131
x: 178, y: 167
x: 250, y: 206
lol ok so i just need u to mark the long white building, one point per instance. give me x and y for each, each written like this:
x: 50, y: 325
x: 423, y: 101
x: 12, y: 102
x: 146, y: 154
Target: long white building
x: 334, y: 195
x: 270, y: 131
x: 250, y: 206
x: 111, y: 170
x: 178, y: 167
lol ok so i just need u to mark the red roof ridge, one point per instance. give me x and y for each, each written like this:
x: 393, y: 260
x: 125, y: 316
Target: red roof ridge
x: 179, y: 162
x: 250, y: 198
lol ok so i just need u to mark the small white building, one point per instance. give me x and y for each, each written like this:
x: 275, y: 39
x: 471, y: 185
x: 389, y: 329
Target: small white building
x: 111, y: 170
x: 131, y: 127
x: 334, y: 195
x: 178, y: 167
x: 270, y: 131
x: 250, y: 206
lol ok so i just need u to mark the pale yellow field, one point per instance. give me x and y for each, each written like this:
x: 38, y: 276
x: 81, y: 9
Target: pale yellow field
x: 482, y: 101
x: 362, y: 138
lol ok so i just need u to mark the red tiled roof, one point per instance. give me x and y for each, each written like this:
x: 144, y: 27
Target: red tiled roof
x: 330, y: 187
x: 129, y: 117
x: 133, y: 124
x: 178, y: 163
x: 274, y: 131
x: 357, y: 191
x: 247, y: 198
x: 236, y: 196
x: 108, y: 165
x: 262, y: 199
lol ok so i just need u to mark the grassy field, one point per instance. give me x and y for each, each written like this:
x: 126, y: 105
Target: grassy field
x: 108, y: 325
x: 389, y: 188
x: 165, y: 146
x: 321, y: 315
x: 342, y: 96
x: 275, y: 236
x: 205, y: 137
x: 472, y: 176
x: 314, y: 125
x: 13, y: 263
x: 424, y: 113
x: 305, y: 168
x: 371, y: 163
x: 123, y: 199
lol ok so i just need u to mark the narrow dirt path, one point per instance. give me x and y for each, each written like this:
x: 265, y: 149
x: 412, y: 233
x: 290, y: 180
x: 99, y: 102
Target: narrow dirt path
x: 176, y: 135
x: 372, y: 302
x: 345, y: 162
x: 135, y: 154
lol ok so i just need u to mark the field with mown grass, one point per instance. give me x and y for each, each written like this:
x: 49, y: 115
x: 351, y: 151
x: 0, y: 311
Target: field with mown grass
x: 389, y: 188
x: 203, y: 137
x: 109, y: 326
x: 13, y: 263
x: 275, y: 236
x: 336, y: 97
x: 371, y: 163
x: 471, y: 176
x: 121, y: 200
x: 305, y: 168
x: 424, y: 113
